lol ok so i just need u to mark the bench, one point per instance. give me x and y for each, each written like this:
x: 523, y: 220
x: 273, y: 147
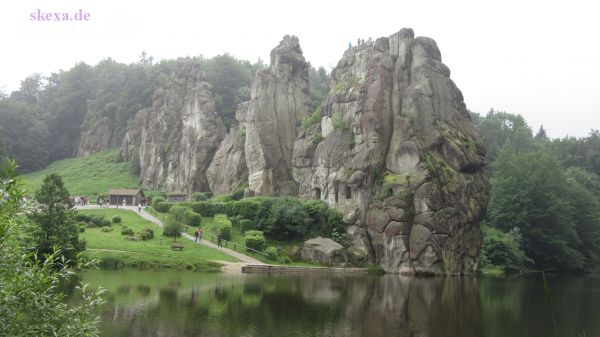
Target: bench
x: 177, y: 245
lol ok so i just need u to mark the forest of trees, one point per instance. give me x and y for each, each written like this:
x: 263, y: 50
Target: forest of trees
x: 43, y: 120
x: 544, y: 205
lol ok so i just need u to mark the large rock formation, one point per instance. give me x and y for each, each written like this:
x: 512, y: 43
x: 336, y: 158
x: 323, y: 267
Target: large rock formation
x: 279, y: 101
x: 98, y: 138
x: 268, y: 126
x: 175, y: 140
x: 396, y: 151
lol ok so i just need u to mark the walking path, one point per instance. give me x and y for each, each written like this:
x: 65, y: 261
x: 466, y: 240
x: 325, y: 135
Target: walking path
x: 228, y: 266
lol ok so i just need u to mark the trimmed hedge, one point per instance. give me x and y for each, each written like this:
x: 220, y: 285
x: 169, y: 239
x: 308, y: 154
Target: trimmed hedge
x: 255, y: 240
x: 223, y: 226
x: 271, y: 253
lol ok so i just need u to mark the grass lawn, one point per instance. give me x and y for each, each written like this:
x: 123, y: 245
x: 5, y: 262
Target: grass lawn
x: 237, y: 237
x: 92, y: 175
x: 113, y: 250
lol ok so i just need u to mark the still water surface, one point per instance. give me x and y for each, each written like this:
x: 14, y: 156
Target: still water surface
x: 145, y: 303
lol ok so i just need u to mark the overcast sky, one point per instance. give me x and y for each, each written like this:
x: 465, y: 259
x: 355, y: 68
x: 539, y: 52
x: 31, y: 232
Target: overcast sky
x: 536, y: 58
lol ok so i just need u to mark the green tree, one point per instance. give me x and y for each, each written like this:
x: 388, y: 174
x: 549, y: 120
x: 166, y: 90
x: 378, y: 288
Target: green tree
x: 318, y: 80
x: 173, y: 228
x: 503, y: 250
x: 499, y: 128
x: 530, y: 191
x: 31, y: 303
x: 231, y: 80
x: 54, y: 219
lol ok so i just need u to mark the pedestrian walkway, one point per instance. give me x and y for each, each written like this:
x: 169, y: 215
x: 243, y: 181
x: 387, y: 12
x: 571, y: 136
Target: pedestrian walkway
x: 245, y: 260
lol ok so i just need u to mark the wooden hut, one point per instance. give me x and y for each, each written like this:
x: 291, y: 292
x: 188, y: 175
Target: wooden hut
x: 132, y: 197
x: 176, y: 197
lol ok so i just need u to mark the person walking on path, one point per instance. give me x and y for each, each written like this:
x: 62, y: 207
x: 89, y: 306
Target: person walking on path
x: 124, y: 202
x: 199, y: 234
x: 219, y: 241
x: 196, y: 235
x: 140, y: 208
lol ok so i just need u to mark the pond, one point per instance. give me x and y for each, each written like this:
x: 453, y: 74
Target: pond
x: 168, y: 303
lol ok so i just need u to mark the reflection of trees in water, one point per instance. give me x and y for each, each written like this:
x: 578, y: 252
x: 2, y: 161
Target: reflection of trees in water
x: 314, y: 306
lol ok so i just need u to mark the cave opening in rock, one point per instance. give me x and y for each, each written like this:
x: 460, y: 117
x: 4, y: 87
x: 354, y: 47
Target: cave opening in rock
x: 317, y: 193
x: 390, y: 192
x: 348, y: 192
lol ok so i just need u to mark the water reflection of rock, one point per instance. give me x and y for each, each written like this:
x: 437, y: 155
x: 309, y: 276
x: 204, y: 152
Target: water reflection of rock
x: 413, y: 307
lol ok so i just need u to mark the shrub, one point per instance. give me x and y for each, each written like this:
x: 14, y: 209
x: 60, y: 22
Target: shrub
x: 127, y: 231
x: 116, y: 219
x: 222, y: 198
x: 180, y: 213
x: 150, y: 231
x: 255, y: 240
x: 312, y: 119
x: 223, y: 226
x: 238, y: 194
x: 199, y: 196
x: 96, y: 220
x: 194, y: 219
x: 287, y: 220
x: 82, y: 218
x: 338, y: 122
x: 105, y: 223
x: 503, y: 250
x: 271, y: 253
x: 90, y: 225
x: 286, y: 260
x: 81, y: 228
x: 144, y: 235
x: 111, y: 262
x: 156, y: 201
x: 248, y: 207
x: 246, y: 225
x: 106, y: 229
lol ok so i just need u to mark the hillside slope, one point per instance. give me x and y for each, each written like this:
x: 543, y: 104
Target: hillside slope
x: 90, y: 175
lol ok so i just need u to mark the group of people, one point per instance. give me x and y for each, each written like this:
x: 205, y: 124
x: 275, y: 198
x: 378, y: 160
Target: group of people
x: 198, y: 234
x: 81, y: 200
x: 100, y: 202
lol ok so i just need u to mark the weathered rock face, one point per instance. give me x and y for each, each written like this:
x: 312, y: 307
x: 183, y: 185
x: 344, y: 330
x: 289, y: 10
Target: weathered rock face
x: 279, y: 101
x: 176, y: 138
x: 228, y: 169
x: 400, y: 157
x: 98, y: 138
x: 324, y: 251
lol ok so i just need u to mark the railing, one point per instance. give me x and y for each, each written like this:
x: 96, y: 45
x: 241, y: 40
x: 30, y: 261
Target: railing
x: 213, y: 237
x: 225, y: 242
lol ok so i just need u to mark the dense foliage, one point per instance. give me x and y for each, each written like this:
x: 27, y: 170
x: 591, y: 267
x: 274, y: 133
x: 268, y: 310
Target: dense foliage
x: 31, y: 303
x: 547, y: 192
x: 278, y: 218
x: 43, y: 120
x: 53, y: 220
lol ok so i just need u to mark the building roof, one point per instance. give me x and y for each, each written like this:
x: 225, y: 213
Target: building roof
x: 125, y: 191
x: 176, y: 193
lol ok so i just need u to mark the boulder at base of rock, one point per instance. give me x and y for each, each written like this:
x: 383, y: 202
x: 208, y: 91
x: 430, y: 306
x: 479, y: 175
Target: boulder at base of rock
x: 323, y: 251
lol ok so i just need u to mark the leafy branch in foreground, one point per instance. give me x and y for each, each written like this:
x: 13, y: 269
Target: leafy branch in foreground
x: 31, y: 302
